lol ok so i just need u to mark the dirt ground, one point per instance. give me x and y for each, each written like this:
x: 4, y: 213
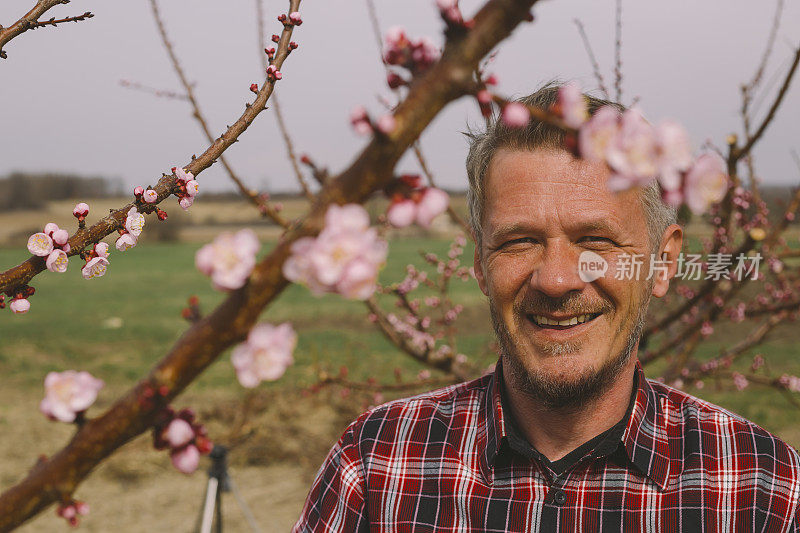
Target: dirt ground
x: 274, y: 456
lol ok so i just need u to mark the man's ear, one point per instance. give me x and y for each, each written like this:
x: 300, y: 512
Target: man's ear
x: 478, y: 267
x: 670, y: 249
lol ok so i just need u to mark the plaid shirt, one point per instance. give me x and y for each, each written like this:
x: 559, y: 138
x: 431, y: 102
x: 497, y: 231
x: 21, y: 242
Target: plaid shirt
x: 440, y: 462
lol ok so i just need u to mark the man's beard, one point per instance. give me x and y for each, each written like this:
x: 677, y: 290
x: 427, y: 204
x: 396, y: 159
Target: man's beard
x: 549, y: 391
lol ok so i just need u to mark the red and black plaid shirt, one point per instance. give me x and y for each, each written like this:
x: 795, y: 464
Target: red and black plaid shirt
x: 441, y: 462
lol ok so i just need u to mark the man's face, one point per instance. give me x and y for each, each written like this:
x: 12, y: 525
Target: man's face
x: 542, y: 210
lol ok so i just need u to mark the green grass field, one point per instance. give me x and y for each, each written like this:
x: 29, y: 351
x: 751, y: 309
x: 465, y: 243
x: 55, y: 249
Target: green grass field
x: 118, y: 326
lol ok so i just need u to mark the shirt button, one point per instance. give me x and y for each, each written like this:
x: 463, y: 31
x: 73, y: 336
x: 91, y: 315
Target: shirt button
x: 559, y: 497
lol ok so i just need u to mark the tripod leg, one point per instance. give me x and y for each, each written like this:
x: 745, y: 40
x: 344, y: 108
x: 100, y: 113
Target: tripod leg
x: 212, y: 497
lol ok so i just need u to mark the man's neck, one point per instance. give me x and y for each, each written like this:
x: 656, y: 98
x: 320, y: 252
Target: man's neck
x: 555, y: 433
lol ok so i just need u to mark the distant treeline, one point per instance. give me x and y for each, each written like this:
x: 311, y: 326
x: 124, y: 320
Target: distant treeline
x: 25, y: 190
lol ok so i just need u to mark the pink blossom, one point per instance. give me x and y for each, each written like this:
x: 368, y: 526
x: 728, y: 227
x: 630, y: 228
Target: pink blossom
x: 50, y: 227
x: 57, y: 261
x: 706, y: 329
x: 178, y: 433
x: 134, y: 222
x: 182, y: 174
x: 401, y: 214
x: 138, y: 191
x: 674, y: 153
x: 706, y: 182
x: 95, y: 268
x: 186, y: 202
x: 360, y: 121
x: 150, y: 196
x: 229, y: 259
x: 573, y: 105
x: 125, y: 241
x: 60, y: 237
x: 433, y: 202
x: 19, y: 306
x: 595, y: 136
x: 101, y: 249
x: 323, y: 263
x: 386, y: 124
x: 69, y: 393
x: 632, y: 152
x: 40, y: 244
x: 265, y: 355
x: 739, y: 381
x: 295, y: 18
x: 516, y: 115
x: 81, y: 209
x: 186, y: 459
x: 192, y: 187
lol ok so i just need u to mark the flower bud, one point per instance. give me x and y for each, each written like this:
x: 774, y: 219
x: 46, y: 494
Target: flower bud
x: 295, y: 18
x: 254, y: 87
x: 138, y: 191
x: 276, y: 38
x: 20, y: 305
x: 81, y: 210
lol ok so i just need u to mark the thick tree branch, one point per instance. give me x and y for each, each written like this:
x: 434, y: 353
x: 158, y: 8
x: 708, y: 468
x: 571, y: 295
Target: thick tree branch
x: 447, y: 80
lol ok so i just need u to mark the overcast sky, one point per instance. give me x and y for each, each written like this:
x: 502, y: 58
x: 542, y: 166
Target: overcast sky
x: 62, y: 107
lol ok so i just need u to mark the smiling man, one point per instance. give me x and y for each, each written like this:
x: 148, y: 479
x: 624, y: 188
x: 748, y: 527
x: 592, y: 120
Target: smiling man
x: 566, y: 434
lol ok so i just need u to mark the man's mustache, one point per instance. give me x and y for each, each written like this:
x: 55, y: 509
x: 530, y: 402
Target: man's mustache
x: 570, y: 304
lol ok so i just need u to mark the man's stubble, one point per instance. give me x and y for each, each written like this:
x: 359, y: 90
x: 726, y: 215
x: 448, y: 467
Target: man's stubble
x: 549, y: 391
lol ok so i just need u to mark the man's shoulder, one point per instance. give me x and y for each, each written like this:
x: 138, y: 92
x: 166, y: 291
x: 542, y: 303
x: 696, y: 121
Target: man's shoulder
x: 705, y: 428
x: 440, y: 411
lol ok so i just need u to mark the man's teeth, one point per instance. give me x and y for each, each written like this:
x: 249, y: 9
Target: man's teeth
x: 544, y: 321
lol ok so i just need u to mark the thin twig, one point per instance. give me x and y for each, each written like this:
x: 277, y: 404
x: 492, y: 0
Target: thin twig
x: 160, y: 93
x: 256, y: 199
x: 276, y: 106
x: 55, y: 22
x: 618, y: 54
x: 598, y: 76
x: 739, y: 153
x: 28, y: 21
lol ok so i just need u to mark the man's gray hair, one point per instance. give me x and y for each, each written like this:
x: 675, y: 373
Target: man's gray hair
x: 537, y: 134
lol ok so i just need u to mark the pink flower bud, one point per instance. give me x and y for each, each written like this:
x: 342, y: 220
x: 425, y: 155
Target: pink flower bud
x: 50, y: 227
x: 294, y: 17
x: 282, y: 17
x: 293, y: 45
x: 516, y: 115
x: 254, y: 87
x: 186, y: 202
x: 57, y: 261
x: 138, y: 191
x: 67, y: 511
x: 360, y: 121
x: 433, y: 202
x: 101, y: 249
x: 60, y: 237
x: 82, y: 508
x: 394, y: 80
x: 270, y: 51
x: 276, y: 38
x: 81, y: 210
x: 20, y: 305
x: 484, y: 97
x: 186, y: 460
x: 402, y: 213
x: 178, y: 433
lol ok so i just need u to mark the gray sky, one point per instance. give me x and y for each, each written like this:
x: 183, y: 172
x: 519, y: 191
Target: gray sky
x: 62, y: 107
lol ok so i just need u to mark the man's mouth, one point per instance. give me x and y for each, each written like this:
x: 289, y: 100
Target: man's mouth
x: 562, y: 322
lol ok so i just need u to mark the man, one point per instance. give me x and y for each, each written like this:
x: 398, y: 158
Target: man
x: 566, y: 434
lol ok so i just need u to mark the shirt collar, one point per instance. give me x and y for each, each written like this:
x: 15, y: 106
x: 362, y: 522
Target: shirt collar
x: 645, y: 438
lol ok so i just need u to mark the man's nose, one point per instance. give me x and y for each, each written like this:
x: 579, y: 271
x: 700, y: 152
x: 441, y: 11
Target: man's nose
x: 557, y: 270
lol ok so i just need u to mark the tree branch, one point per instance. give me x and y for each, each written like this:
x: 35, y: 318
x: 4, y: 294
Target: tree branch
x: 264, y: 208
x: 25, y: 271
x: 199, y: 346
x: 30, y: 21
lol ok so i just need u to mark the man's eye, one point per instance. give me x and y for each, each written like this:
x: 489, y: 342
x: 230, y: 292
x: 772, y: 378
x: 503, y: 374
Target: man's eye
x: 597, y: 239
x: 522, y: 240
